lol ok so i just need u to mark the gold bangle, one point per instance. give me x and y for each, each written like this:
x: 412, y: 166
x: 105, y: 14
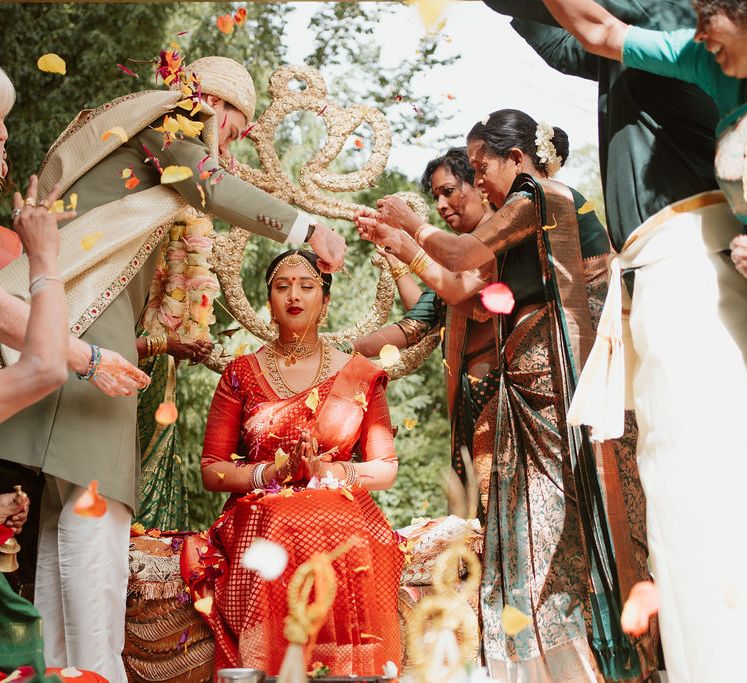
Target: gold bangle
x: 400, y: 271
x: 416, y: 235
x: 420, y: 263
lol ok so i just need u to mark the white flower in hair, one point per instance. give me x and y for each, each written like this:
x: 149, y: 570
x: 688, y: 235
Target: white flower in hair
x: 546, y: 152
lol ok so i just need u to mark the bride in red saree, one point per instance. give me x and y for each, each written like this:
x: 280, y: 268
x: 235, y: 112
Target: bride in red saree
x: 293, y: 415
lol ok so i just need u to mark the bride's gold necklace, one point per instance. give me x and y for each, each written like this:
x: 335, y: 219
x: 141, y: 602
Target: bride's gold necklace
x: 325, y: 359
x: 293, y: 351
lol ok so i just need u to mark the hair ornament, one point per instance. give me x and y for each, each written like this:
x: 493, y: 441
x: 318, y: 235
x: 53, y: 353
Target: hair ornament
x: 546, y: 152
x: 293, y: 260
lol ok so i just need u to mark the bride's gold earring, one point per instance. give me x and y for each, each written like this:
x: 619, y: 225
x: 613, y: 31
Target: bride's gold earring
x: 273, y: 325
x: 322, y: 321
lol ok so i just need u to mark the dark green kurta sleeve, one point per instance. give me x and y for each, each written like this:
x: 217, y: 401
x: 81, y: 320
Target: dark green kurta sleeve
x: 428, y: 309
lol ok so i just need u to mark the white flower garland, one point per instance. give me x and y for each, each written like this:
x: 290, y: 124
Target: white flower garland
x: 546, y: 151
x: 184, y: 287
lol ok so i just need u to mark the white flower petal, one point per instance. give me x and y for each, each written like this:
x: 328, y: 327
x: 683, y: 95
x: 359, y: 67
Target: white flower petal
x: 266, y: 558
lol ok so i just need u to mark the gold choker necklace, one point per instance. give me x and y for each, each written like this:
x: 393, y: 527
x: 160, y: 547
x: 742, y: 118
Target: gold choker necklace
x: 294, y: 351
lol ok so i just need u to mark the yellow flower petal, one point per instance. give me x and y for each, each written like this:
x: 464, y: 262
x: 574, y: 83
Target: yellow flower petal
x: 235, y: 457
x: 221, y: 475
x: 204, y: 605
x: 441, y: 333
x: 312, y: 400
x: 58, y: 206
x: 73, y: 201
x: 361, y: 569
x: 410, y: 422
x: 120, y: 132
x: 553, y: 226
x: 281, y: 458
x: 175, y: 174
x: 137, y: 528
x: 514, y: 621
x: 360, y: 399
x: 126, y: 173
x: 190, y: 128
x: 51, y: 63
x: 88, y: 242
x: 169, y: 124
x: 286, y: 493
x: 431, y: 11
x: 588, y: 207
x: 346, y: 492
x: 389, y: 355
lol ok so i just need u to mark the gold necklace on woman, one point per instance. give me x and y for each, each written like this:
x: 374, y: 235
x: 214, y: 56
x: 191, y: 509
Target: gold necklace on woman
x: 293, y: 351
x: 325, y: 360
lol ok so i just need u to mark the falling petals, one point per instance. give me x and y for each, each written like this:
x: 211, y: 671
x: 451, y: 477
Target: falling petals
x: 137, y: 529
x: 553, y: 226
x: 70, y: 672
x: 497, y: 298
x: 236, y: 457
x: 266, y: 558
x: 281, y: 458
x: 358, y: 143
x: 175, y: 174
x: 641, y: 605
x: 410, y: 422
x: 225, y: 23
x: 312, y: 400
x: 132, y: 183
x: 431, y: 11
x: 361, y: 569
x: 129, y: 72
x: 120, y: 132
x: 221, y: 475
x: 88, y: 242
x: 51, y: 63
x: 90, y: 503
x: 514, y: 620
x: 190, y: 128
x: 389, y: 355
x: 58, y: 206
x: 73, y: 199
x: 204, y: 605
x: 371, y: 636
x: 166, y: 413
x: 588, y: 207
x: 346, y: 492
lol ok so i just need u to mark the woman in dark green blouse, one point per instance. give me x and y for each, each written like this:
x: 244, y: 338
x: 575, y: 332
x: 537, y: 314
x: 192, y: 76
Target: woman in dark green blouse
x: 548, y: 547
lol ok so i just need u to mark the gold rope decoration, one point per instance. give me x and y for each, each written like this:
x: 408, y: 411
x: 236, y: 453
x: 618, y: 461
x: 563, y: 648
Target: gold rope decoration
x: 442, y: 631
x: 306, y: 618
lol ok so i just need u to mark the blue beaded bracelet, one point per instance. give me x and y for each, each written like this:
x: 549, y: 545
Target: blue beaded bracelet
x: 93, y: 365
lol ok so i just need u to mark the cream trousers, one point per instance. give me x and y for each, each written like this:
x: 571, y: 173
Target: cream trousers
x: 81, y: 582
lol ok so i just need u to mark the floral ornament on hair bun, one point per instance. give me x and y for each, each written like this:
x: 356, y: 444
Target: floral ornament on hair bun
x: 546, y: 152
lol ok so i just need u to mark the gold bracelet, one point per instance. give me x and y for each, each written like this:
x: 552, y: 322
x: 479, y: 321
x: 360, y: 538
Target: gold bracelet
x: 157, y: 345
x: 400, y: 271
x: 416, y: 235
x: 420, y: 263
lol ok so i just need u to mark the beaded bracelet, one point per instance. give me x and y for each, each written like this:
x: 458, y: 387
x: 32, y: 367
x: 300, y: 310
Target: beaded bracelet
x: 93, y: 365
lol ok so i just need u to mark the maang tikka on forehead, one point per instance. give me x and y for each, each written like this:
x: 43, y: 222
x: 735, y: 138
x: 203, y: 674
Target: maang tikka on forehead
x: 293, y: 260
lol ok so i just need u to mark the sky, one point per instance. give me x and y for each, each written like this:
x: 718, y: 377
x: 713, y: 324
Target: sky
x: 497, y: 70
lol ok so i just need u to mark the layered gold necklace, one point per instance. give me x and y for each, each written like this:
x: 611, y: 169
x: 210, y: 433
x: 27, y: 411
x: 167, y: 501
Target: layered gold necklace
x: 293, y: 351
x: 279, y: 382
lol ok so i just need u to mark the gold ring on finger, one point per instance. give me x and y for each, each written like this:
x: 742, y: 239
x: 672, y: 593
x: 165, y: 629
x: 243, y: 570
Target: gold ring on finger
x: 30, y: 201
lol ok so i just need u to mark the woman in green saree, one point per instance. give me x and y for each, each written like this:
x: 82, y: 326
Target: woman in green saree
x: 548, y: 547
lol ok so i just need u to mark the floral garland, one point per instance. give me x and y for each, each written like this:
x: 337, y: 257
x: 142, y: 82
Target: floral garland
x: 181, y: 298
x: 546, y: 151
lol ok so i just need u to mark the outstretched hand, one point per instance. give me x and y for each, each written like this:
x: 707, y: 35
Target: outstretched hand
x: 371, y: 229
x: 395, y: 212
x: 198, y: 351
x: 118, y: 377
x: 739, y: 253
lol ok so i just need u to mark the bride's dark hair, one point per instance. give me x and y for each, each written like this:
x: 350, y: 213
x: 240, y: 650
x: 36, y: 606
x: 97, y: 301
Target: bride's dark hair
x: 311, y: 257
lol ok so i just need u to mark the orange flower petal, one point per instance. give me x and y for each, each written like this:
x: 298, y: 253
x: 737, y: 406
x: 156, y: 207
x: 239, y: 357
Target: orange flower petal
x: 120, y: 132
x: 225, y: 23
x: 132, y: 183
x: 90, y: 503
x: 166, y: 413
x: 10, y: 246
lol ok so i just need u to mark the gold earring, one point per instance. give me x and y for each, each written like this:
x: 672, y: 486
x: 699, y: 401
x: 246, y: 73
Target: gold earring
x: 322, y: 321
x: 273, y: 325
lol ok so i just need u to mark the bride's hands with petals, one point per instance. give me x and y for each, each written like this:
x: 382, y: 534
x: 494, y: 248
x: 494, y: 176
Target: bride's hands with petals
x: 117, y: 376
x: 296, y: 466
x: 395, y: 212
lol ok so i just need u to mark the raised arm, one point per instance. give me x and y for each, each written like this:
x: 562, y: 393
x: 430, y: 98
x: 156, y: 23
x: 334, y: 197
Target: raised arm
x: 597, y: 29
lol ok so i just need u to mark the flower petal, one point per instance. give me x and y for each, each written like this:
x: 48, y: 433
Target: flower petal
x: 88, y: 242
x: 129, y: 72
x: 225, y: 23
x: 641, y: 605
x: 360, y: 399
x: 132, y: 183
x: 266, y: 558
x: 312, y: 400
x: 389, y: 355
x: 175, y: 174
x: 120, y: 132
x: 588, y: 207
x: 497, y: 298
x: 281, y: 457
x: 90, y: 503
x: 51, y: 63
x: 10, y: 246
x: 204, y: 605
x: 166, y: 413
x: 410, y: 422
x: 514, y: 621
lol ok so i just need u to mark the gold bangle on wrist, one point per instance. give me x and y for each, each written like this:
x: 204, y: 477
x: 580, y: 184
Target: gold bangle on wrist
x: 416, y: 234
x: 400, y: 271
x: 420, y: 263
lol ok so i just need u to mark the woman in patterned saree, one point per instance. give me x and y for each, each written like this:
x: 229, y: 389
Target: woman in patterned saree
x: 548, y: 548
x: 283, y: 428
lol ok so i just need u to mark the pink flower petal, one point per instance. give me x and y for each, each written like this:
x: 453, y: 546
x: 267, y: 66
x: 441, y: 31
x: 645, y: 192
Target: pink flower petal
x: 497, y: 298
